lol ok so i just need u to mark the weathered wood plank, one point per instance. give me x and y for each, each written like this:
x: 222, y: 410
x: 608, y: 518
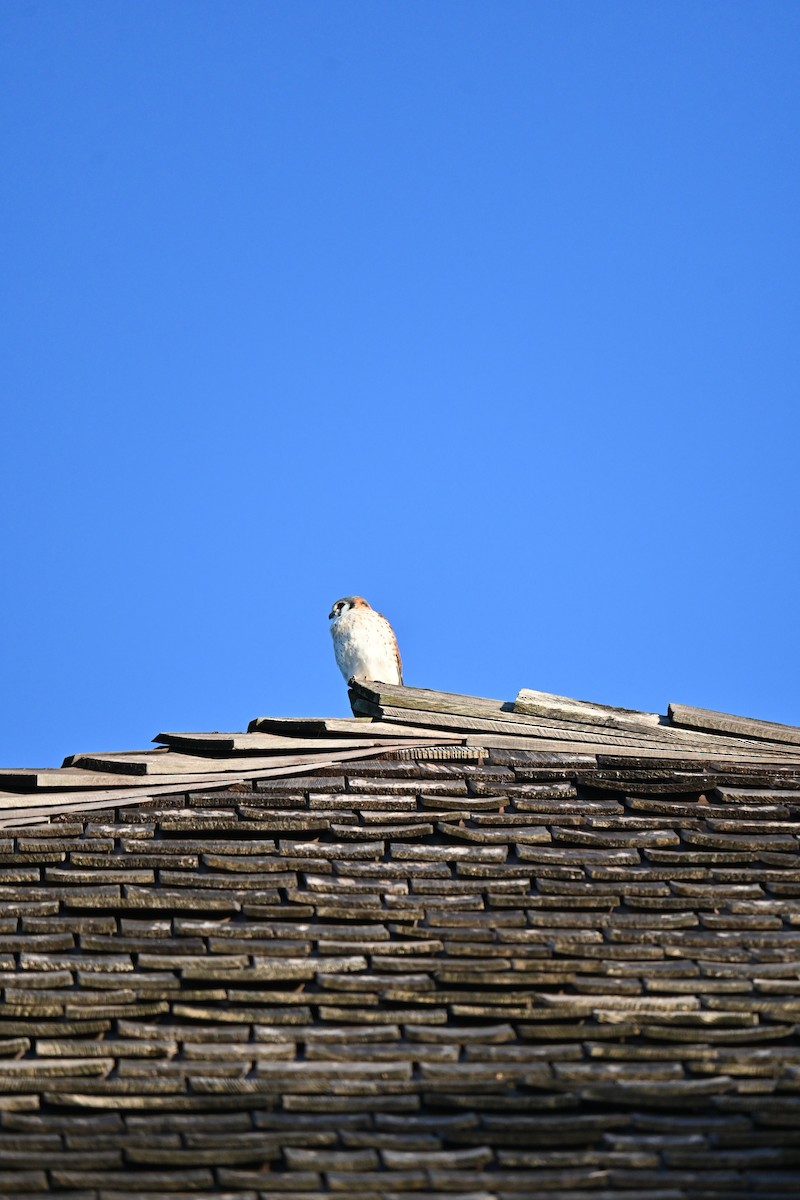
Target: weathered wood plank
x: 516, y: 725
x: 499, y: 741
x: 47, y: 804
x: 298, y: 726
x: 215, y: 746
x: 318, y: 726
x: 317, y: 733
x: 596, y: 747
x: 120, y: 762
x: 54, y: 778
x: 426, y: 699
x: 212, y: 743
x: 408, y: 704
x: 166, y: 762
x: 544, y: 704
x: 684, y: 715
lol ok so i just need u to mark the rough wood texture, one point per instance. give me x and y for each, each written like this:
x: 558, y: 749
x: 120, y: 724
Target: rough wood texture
x: 167, y: 762
x: 319, y: 726
x: 53, y: 779
x: 44, y: 804
x: 705, y: 719
x: 578, y: 722
x: 363, y: 973
x: 562, y: 708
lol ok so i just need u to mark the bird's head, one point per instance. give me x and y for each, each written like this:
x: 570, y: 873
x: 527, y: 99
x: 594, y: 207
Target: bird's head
x: 345, y: 604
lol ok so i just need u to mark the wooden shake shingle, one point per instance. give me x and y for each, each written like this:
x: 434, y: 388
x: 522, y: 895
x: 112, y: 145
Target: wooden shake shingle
x: 452, y: 947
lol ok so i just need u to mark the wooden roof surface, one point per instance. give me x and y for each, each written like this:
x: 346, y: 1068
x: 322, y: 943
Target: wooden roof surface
x: 451, y: 947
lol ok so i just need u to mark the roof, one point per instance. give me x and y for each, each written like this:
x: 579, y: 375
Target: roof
x: 407, y: 723
x: 452, y: 946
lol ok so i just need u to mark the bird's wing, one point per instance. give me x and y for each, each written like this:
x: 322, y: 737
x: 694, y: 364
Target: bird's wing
x: 395, y: 648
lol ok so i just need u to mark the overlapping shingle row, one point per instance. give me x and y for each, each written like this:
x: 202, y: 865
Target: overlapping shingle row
x: 462, y: 962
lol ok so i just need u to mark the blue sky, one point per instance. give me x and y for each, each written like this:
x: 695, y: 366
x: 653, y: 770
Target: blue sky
x: 486, y: 311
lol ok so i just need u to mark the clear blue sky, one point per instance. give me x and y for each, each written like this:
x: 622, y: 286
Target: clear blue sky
x: 487, y: 311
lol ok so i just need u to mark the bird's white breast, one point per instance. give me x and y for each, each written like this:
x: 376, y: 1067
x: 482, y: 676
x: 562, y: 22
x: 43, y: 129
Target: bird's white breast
x: 365, y: 645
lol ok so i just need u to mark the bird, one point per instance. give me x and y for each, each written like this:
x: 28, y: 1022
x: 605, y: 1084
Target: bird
x: 364, y: 642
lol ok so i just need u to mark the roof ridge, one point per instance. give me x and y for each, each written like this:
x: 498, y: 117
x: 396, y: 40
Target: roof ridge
x: 392, y: 721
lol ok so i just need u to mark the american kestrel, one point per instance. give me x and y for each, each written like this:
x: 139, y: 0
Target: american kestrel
x: 364, y: 641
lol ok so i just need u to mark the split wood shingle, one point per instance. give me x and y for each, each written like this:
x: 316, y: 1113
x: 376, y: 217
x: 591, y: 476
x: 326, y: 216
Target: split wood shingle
x: 449, y: 947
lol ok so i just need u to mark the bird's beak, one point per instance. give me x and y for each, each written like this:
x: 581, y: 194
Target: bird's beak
x: 331, y: 614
